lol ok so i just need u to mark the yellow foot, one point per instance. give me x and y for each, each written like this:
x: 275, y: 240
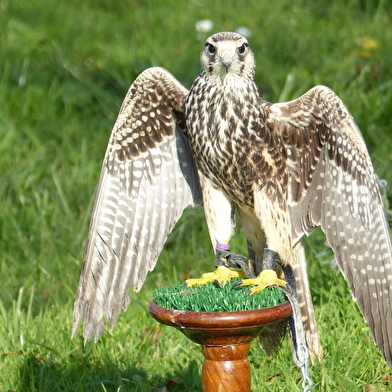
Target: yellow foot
x: 221, y: 275
x: 265, y: 279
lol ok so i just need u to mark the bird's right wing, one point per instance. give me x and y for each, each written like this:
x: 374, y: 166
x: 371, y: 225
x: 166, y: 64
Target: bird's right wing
x: 332, y: 184
x: 148, y: 178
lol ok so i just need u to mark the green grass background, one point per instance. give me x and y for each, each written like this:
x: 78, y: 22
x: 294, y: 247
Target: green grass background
x: 65, y: 67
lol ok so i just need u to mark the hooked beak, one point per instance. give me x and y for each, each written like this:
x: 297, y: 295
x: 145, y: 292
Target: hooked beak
x: 226, y: 58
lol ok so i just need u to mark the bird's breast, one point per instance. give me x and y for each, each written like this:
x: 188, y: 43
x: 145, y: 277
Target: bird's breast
x: 229, y: 140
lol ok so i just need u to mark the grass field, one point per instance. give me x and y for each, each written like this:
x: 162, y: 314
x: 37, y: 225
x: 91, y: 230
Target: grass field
x: 65, y: 67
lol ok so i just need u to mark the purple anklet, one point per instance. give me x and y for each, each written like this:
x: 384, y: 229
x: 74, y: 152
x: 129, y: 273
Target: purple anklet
x: 222, y: 246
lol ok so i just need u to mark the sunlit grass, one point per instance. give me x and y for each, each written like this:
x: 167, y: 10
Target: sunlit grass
x: 64, y: 70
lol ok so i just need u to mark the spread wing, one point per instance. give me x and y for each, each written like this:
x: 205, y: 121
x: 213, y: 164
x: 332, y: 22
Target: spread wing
x: 332, y: 184
x: 148, y: 177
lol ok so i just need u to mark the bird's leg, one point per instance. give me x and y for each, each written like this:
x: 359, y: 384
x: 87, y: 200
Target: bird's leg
x: 219, y: 213
x: 228, y: 265
x: 267, y: 276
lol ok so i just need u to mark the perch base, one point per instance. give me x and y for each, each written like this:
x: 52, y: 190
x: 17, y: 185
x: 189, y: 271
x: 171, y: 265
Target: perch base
x: 225, y: 339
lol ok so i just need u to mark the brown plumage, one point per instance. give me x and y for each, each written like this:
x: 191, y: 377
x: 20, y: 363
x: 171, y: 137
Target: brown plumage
x: 284, y: 168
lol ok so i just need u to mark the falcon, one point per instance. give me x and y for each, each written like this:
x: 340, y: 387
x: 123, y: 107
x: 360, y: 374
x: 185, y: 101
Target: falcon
x: 282, y: 169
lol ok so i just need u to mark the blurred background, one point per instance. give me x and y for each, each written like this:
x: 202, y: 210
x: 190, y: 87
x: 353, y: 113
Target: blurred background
x: 65, y: 67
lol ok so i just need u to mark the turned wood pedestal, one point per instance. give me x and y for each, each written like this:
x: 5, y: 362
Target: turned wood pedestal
x: 225, y: 339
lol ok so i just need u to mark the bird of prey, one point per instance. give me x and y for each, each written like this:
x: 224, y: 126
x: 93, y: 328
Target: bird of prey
x: 281, y: 168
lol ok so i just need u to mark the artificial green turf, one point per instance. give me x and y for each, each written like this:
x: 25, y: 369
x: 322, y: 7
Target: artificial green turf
x: 65, y: 67
x: 212, y: 298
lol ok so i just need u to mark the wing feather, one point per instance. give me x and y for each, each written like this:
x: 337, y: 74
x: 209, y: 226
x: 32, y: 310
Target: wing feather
x: 332, y: 184
x: 148, y: 177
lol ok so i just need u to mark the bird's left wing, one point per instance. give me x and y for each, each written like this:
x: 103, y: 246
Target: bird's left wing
x: 332, y: 184
x: 148, y: 177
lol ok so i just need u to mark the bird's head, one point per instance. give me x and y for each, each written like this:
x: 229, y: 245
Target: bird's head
x: 227, y: 54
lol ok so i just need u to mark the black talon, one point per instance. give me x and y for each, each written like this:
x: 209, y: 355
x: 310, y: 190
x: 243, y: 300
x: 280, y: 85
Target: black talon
x: 237, y: 284
x: 216, y: 281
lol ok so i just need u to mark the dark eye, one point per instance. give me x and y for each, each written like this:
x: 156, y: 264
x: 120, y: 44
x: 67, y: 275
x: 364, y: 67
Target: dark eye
x: 242, y: 48
x: 211, y: 49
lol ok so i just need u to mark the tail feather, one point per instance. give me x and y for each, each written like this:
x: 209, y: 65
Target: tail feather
x: 305, y: 303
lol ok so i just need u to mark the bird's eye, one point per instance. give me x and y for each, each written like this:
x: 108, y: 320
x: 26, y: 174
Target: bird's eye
x: 242, y: 48
x: 211, y: 49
